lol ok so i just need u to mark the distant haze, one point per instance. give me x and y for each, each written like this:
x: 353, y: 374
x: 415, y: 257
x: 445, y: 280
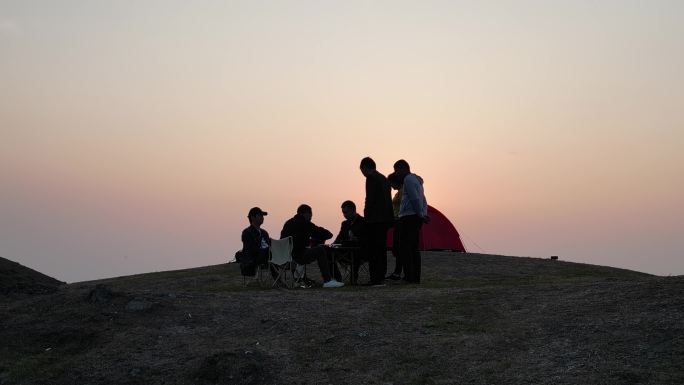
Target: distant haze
x: 135, y: 136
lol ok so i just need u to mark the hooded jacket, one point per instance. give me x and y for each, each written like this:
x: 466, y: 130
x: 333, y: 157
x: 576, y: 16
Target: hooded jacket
x: 413, y: 200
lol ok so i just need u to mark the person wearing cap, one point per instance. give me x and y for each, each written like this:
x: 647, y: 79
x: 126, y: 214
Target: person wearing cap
x: 255, y: 244
x: 379, y: 218
x: 412, y: 216
x: 303, y: 231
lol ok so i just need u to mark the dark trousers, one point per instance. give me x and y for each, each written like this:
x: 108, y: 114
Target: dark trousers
x: 396, y: 236
x: 250, y: 262
x: 261, y: 258
x: 376, y: 251
x: 316, y: 254
x: 356, y: 266
x: 408, y: 248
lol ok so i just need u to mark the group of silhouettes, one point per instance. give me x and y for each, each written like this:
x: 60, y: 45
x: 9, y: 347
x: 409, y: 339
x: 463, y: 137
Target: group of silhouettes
x: 406, y: 213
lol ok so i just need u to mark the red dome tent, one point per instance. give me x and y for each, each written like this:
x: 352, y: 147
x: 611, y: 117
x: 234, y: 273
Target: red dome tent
x: 439, y: 234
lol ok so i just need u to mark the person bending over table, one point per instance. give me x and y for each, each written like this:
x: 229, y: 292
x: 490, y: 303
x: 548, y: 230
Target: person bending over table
x: 302, y: 231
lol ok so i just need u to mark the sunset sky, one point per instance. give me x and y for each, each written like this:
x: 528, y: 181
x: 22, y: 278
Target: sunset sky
x: 136, y: 135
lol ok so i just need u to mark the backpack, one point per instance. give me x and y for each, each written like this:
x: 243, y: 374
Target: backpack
x: 248, y: 264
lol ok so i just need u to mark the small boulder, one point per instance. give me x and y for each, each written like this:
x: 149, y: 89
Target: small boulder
x: 101, y: 294
x: 138, y: 304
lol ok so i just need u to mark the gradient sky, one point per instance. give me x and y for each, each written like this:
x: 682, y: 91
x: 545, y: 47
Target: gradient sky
x: 136, y: 135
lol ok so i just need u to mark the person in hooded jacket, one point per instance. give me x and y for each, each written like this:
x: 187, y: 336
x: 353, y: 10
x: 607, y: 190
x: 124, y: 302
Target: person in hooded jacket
x: 412, y: 216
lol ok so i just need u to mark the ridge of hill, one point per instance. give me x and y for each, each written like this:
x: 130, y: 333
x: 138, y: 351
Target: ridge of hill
x: 16, y: 278
x: 475, y: 318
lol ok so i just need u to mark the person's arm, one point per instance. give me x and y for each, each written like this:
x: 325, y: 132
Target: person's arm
x: 327, y: 233
x: 359, y: 229
x: 368, y: 196
x: 320, y: 233
x: 342, y: 234
x: 285, y: 231
x: 411, y: 188
x: 426, y: 218
x: 245, y: 241
x: 396, y: 202
x: 266, y: 236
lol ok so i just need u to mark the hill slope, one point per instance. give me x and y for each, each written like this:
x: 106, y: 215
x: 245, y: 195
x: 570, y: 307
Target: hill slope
x: 16, y: 278
x: 476, y: 319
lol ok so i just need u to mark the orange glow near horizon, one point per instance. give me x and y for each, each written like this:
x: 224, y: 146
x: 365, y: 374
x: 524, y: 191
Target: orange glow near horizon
x: 131, y: 142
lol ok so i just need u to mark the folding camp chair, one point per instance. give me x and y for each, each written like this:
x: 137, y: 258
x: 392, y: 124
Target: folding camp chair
x: 280, y: 257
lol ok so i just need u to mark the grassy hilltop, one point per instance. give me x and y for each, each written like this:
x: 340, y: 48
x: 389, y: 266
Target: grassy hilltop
x: 476, y: 319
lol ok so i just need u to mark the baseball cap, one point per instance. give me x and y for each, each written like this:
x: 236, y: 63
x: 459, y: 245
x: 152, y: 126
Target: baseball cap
x: 255, y: 211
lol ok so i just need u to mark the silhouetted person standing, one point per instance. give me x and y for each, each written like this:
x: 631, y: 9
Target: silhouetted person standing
x: 412, y: 215
x: 379, y: 217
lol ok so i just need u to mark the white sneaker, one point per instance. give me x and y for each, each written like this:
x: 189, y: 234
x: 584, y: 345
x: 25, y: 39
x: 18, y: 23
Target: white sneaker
x: 333, y: 284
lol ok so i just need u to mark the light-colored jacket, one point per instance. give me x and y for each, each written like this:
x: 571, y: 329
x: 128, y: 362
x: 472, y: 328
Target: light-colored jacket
x: 413, y: 200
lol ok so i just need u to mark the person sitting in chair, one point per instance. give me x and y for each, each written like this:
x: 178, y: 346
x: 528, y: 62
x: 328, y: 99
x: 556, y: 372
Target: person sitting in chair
x: 352, y: 228
x: 352, y: 234
x: 255, y: 244
x: 302, y: 231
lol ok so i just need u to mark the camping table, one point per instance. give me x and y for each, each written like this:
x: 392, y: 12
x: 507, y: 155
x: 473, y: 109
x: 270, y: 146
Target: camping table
x: 345, y: 255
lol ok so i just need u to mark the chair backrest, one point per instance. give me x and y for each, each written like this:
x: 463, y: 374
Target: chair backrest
x: 281, y: 250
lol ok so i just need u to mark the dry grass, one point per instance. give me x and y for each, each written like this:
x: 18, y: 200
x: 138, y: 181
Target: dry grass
x: 476, y: 319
